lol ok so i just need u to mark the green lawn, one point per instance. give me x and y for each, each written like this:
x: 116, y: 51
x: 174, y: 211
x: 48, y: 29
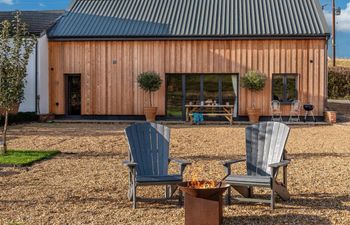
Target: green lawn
x: 25, y: 158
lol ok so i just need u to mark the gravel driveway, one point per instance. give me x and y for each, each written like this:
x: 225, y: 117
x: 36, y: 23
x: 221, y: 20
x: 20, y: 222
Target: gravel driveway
x: 87, y: 183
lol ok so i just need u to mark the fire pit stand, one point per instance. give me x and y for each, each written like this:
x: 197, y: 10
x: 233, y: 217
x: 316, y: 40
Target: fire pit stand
x: 203, y: 206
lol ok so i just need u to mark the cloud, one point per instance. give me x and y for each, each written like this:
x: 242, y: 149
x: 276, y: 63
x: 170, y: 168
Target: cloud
x: 42, y: 4
x: 7, y: 2
x: 342, y: 21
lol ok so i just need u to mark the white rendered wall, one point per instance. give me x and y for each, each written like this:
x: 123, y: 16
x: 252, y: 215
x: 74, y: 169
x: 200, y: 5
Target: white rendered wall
x: 43, y: 75
x: 28, y: 104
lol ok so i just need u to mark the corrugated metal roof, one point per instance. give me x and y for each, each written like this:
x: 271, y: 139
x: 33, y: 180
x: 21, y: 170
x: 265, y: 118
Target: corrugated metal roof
x: 190, y: 18
x: 37, y: 21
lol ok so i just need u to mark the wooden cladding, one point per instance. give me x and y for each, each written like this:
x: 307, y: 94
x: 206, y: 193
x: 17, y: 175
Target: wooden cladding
x: 109, y: 70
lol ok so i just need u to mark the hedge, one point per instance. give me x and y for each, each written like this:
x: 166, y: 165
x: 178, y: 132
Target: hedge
x: 21, y: 117
x: 339, y: 83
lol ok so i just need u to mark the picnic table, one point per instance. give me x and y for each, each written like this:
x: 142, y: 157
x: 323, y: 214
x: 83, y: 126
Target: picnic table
x: 210, y: 110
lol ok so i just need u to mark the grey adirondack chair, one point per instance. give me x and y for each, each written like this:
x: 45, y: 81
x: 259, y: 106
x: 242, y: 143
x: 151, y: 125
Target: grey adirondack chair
x: 149, y: 159
x: 265, y: 154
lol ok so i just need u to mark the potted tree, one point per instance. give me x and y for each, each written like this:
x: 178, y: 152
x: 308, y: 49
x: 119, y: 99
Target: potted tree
x: 255, y: 82
x: 150, y: 82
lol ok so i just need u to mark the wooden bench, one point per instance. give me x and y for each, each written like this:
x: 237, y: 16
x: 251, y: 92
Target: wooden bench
x: 227, y: 111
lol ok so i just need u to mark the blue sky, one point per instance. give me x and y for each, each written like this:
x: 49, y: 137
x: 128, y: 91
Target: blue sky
x: 343, y: 21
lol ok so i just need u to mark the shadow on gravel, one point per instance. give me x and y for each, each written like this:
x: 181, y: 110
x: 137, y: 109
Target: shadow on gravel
x: 277, y: 219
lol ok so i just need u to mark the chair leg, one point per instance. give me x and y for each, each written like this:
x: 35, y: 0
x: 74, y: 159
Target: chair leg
x: 272, y: 197
x: 228, y: 196
x: 134, y: 197
x: 180, y: 197
x: 166, y: 191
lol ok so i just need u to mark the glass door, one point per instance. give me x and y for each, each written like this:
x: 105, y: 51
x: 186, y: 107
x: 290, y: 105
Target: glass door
x: 193, y: 89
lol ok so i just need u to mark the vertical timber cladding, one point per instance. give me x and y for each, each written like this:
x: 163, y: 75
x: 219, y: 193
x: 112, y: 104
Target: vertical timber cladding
x: 109, y: 70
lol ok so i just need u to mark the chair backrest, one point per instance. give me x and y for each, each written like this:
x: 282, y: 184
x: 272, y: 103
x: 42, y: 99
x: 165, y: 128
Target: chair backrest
x: 295, y: 107
x: 275, y: 105
x: 149, y: 148
x: 265, y: 143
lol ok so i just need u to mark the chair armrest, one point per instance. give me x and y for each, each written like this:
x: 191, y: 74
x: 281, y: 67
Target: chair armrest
x: 129, y: 164
x: 182, y: 164
x: 180, y: 161
x: 282, y: 163
x: 230, y: 162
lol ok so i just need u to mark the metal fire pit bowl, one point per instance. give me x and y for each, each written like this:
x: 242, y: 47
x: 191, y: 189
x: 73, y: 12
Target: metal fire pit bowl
x: 203, y: 206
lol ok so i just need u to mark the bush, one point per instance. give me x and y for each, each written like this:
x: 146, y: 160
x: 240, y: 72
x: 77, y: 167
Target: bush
x: 20, y: 117
x: 149, y: 82
x: 254, y: 81
x: 339, y: 83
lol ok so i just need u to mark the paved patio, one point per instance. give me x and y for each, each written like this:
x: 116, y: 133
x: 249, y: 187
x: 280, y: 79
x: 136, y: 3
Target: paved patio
x: 87, y: 183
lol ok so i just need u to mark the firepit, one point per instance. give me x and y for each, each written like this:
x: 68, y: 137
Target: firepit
x: 203, y: 202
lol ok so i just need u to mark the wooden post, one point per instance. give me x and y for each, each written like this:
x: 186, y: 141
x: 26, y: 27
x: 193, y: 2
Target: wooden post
x: 333, y: 34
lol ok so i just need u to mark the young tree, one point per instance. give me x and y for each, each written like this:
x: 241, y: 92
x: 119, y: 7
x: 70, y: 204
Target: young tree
x: 16, y: 45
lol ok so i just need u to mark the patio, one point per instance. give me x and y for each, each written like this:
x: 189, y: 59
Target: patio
x: 87, y: 183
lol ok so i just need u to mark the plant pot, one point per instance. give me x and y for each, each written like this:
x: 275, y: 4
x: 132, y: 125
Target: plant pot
x: 12, y: 111
x: 254, y: 115
x: 150, y: 113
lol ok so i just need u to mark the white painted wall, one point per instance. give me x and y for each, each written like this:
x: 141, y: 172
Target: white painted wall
x: 43, y: 75
x: 28, y: 104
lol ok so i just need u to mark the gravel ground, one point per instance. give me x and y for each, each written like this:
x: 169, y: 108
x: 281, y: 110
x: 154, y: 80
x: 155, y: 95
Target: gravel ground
x: 87, y: 183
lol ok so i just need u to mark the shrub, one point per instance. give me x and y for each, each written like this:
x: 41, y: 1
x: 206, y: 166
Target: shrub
x: 339, y: 83
x: 21, y: 117
x: 149, y: 82
x: 254, y: 81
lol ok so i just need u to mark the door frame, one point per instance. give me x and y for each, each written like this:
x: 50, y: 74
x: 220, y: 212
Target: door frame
x: 66, y: 91
x: 183, y: 81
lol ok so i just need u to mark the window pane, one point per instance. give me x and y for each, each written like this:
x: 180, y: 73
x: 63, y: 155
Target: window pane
x: 174, y: 96
x: 228, y: 94
x: 291, y: 88
x: 193, y: 89
x: 277, y: 92
x: 211, y: 89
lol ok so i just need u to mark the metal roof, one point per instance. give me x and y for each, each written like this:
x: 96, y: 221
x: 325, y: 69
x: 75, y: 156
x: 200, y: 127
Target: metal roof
x: 37, y: 21
x: 96, y: 19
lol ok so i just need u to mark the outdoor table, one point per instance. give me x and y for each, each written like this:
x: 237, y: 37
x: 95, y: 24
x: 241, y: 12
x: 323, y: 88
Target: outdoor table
x: 210, y: 110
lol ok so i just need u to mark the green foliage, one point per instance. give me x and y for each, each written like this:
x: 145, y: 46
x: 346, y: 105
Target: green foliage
x: 25, y: 158
x: 339, y: 83
x: 254, y: 81
x: 21, y: 117
x: 15, y: 48
x: 149, y: 81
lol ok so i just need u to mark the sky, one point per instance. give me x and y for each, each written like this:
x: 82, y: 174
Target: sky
x: 342, y: 25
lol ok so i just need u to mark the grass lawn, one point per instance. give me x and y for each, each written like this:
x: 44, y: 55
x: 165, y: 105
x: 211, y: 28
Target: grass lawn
x: 25, y: 158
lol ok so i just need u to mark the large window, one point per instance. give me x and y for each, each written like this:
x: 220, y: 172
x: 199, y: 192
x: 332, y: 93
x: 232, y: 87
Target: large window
x: 285, y: 87
x: 196, y: 88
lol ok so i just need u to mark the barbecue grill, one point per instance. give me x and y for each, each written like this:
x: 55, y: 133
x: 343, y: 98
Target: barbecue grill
x: 309, y: 111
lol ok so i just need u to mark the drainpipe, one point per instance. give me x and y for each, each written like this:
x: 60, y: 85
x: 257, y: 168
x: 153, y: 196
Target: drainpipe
x: 36, y: 79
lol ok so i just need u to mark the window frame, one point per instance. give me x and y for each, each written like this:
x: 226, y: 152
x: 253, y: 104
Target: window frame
x: 285, y: 76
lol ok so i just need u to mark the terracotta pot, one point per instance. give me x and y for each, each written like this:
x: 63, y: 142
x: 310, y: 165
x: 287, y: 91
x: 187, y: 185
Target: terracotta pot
x: 13, y: 110
x: 330, y: 116
x: 150, y: 113
x: 254, y: 115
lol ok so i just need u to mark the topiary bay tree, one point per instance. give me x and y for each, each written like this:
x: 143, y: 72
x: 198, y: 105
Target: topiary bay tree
x: 16, y: 45
x: 150, y: 82
x: 255, y: 82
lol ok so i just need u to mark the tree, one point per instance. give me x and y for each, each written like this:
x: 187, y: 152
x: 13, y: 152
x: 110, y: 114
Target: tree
x: 16, y: 45
x: 149, y: 82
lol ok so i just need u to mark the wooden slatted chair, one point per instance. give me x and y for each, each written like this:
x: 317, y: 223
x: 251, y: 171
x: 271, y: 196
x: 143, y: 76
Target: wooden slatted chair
x: 265, y: 154
x: 149, y: 159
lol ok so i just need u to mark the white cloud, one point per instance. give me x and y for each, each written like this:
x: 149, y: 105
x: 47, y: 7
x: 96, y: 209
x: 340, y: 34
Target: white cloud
x: 342, y: 21
x: 7, y: 2
x: 42, y: 4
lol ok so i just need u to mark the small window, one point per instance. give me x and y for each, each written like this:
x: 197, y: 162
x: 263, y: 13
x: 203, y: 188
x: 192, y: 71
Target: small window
x: 285, y: 87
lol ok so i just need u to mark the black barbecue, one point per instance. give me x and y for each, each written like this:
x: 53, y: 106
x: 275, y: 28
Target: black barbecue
x: 309, y: 110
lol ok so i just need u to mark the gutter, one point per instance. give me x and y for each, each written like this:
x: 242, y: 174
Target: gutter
x: 156, y: 38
